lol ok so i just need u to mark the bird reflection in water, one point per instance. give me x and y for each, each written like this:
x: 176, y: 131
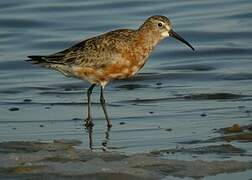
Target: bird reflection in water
x: 104, y: 143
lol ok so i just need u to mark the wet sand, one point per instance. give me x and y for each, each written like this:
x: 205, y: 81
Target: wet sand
x: 62, y: 160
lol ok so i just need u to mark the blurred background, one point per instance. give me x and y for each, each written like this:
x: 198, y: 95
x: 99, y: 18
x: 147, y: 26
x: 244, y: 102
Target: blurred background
x: 179, y: 96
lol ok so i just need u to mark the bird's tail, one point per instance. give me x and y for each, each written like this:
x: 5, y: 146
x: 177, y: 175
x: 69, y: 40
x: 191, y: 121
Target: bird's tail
x: 41, y: 60
x: 50, y: 62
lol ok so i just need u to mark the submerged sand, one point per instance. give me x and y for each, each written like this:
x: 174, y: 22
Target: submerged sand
x: 61, y: 159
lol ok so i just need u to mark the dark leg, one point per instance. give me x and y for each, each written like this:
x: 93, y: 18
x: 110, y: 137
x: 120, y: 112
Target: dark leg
x: 106, y: 140
x: 102, y: 100
x: 90, y: 136
x: 88, y: 121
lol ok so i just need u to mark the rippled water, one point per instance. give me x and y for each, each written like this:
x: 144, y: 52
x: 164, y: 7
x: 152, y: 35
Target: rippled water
x: 149, y: 111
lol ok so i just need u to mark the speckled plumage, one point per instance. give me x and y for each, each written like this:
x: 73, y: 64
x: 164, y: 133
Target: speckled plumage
x: 114, y: 55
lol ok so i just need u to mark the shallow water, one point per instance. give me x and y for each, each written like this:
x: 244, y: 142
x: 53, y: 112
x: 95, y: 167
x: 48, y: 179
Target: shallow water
x: 51, y: 106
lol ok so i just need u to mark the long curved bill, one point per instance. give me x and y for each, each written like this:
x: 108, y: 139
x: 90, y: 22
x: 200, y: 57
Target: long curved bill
x: 178, y: 37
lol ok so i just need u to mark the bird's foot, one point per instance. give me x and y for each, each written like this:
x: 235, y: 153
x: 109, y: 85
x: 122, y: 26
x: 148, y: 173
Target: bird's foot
x: 109, y: 125
x: 89, y: 123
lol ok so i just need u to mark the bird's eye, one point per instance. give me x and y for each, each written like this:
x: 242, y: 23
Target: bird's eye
x: 160, y: 24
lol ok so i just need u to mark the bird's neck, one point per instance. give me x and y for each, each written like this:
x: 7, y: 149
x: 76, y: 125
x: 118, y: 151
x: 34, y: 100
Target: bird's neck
x: 145, y: 40
x: 148, y: 35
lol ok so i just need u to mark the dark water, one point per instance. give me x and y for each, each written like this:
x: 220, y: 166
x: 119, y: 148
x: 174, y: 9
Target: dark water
x: 51, y: 106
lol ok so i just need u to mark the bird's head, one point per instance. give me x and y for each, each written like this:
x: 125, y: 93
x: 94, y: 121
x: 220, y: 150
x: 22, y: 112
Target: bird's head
x: 162, y: 26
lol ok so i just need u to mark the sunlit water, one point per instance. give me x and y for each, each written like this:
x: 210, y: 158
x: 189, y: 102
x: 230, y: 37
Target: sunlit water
x: 148, y: 111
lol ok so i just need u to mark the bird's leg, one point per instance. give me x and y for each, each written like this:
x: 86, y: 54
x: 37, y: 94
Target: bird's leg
x: 88, y: 121
x: 90, y: 136
x: 106, y: 140
x: 102, y: 100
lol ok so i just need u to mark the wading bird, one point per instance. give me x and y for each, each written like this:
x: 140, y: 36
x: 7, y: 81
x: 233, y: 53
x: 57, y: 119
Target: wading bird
x: 117, y: 54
